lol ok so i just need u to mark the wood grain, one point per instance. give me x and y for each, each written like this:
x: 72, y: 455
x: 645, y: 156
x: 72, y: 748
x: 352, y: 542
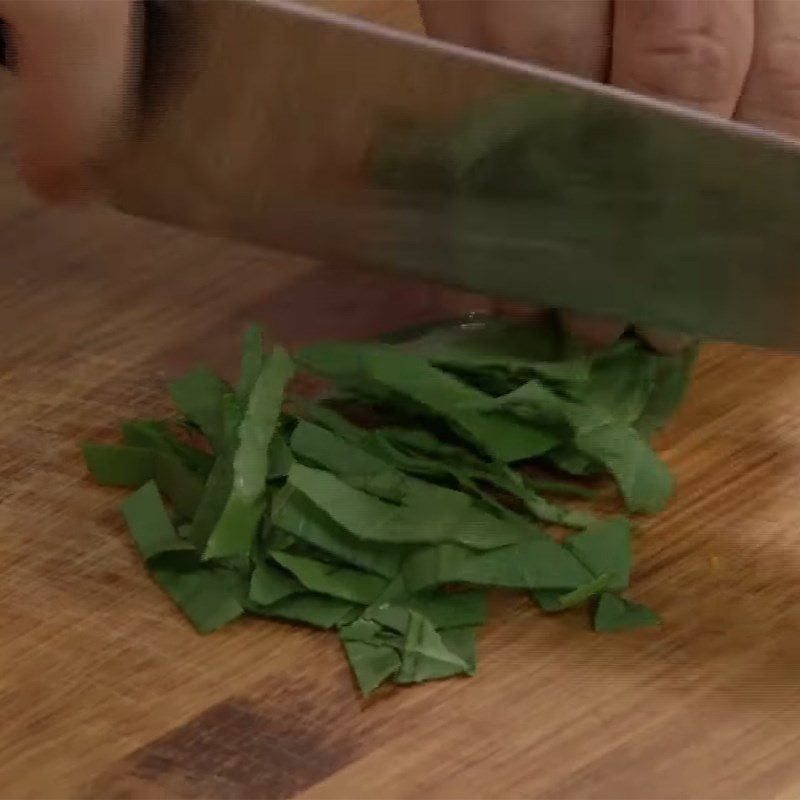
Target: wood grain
x: 107, y: 692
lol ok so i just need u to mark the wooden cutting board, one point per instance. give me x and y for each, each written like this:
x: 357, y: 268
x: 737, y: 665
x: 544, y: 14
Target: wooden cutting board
x: 105, y: 691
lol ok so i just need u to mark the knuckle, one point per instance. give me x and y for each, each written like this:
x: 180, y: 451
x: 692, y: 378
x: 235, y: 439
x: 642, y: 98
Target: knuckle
x: 779, y: 68
x: 696, y: 68
x: 566, y: 35
x: 502, y: 33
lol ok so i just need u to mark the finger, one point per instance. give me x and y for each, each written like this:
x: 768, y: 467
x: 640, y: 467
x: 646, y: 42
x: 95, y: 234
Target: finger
x: 569, y: 35
x: 594, y: 331
x: 70, y: 57
x: 771, y: 96
x: 520, y: 311
x: 459, y: 305
x: 663, y: 341
x: 456, y: 21
x: 695, y: 52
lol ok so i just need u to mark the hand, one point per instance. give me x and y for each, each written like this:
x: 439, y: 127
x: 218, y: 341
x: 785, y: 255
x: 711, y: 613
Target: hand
x: 736, y: 58
x: 71, y: 61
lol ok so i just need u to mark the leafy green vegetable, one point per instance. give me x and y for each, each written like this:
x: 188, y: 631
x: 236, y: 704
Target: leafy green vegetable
x: 425, y: 655
x: 622, y: 381
x: 202, y: 595
x: 555, y: 600
x: 558, y: 515
x: 536, y: 564
x: 150, y: 524
x: 373, y: 656
x: 246, y: 503
x: 279, y: 459
x: 334, y: 581
x: 318, y: 610
x: 389, y: 373
x: 448, y: 610
x: 120, y: 465
x: 212, y: 502
x: 270, y: 584
x: 644, y: 480
x: 321, y: 447
x: 392, y: 531
x: 560, y: 487
x: 670, y: 385
x: 252, y: 362
x: 615, y: 613
x: 199, y: 395
x: 404, y: 644
x: 296, y: 514
x: 440, y: 515
x: 461, y: 642
x: 604, y: 548
x: 157, y: 435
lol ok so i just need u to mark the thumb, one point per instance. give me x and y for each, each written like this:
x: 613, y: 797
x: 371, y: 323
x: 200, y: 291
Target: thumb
x: 70, y: 58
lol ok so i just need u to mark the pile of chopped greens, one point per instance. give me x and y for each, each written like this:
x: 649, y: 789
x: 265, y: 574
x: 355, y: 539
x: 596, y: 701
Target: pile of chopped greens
x: 386, y: 509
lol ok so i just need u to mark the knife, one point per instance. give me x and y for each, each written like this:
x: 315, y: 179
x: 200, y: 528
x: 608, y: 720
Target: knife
x: 264, y: 121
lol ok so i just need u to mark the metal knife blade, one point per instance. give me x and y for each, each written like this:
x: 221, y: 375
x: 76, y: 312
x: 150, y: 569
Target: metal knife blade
x: 267, y: 116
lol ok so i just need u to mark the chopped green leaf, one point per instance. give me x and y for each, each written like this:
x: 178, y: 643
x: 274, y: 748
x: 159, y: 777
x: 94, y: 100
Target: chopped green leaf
x: 201, y: 595
x: 373, y: 653
x: 461, y: 643
x: 445, y: 609
x: 561, y: 487
x: 425, y: 655
x: 622, y: 382
x: 615, y: 613
x: 554, y: 600
x: 394, y: 373
x: 157, y: 435
x: 270, y: 584
x: 605, y: 548
x: 329, y: 419
x: 295, y: 513
x: 391, y: 529
x: 438, y: 515
x: 199, y: 394
x: 181, y: 485
x: 252, y: 362
x: 318, y: 610
x: 150, y: 524
x: 321, y: 447
x: 280, y: 458
x: 123, y: 465
x: 644, y: 480
x: 346, y: 584
x: 536, y: 564
x: 670, y: 385
x: 120, y: 465
x: 372, y: 662
x: 236, y: 526
x: 448, y: 610
x: 546, y: 511
x: 212, y: 502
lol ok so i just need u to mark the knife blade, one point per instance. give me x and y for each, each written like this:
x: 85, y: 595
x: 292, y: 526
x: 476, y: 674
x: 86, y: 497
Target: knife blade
x: 264, y: 118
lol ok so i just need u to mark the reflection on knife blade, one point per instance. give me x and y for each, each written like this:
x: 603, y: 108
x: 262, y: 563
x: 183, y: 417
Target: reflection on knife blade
x: 534, y: 186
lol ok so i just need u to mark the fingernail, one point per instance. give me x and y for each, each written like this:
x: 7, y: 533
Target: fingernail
x: 592, y: 330
x: 663, y: 341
